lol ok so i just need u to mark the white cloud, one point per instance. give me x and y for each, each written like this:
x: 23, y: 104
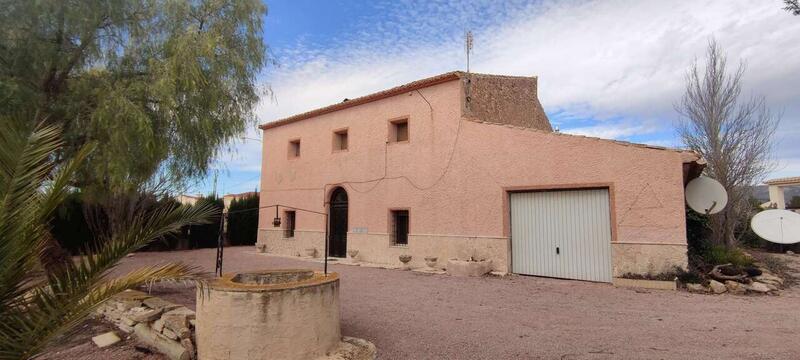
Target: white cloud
x: 602, y: 66
x: 615, y: 130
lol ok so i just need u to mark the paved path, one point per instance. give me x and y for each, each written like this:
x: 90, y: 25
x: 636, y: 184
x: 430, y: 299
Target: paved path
x: 415, y: 316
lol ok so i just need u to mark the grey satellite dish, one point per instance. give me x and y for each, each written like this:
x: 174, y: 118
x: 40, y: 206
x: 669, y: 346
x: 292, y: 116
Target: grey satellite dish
x: 706, y: 195
x: 778, y: 226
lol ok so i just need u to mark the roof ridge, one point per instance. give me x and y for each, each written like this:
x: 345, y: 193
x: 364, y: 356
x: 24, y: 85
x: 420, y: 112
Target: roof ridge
x: 411, y: 86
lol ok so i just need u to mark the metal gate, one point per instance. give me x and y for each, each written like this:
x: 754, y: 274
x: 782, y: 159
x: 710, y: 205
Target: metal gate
x: 562, y: 234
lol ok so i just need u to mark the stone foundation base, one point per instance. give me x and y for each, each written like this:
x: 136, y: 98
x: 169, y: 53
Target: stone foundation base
x: 377, y: 249
x: 647, y: 258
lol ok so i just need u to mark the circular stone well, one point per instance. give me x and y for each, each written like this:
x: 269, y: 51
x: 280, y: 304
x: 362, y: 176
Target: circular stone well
x: 273, y: 314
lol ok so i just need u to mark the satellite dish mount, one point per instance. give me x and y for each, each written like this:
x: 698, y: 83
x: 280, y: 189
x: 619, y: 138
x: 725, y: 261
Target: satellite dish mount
x: 706, y: 195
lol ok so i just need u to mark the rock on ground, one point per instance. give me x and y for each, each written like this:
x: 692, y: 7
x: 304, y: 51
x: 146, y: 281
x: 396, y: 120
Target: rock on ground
x: 698, y: 288
x: 717, y: 287
x: 106, y: 340
x: 758, y: 287
x: 735, y: 287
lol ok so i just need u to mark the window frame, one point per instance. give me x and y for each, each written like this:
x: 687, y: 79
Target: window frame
x: 336, y: 142
x: 294, y: 149
x: 393, y: 228
x: 392, y: 130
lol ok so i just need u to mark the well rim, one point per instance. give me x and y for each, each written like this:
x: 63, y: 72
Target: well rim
x: 226, y: 281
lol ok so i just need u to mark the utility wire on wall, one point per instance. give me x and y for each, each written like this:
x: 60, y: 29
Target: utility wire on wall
x: 385, y: 176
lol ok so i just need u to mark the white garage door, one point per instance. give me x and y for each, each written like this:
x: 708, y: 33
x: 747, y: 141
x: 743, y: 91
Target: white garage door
x: 562, y: 234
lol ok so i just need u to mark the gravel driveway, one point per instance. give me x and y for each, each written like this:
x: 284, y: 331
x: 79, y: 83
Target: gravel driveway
x: 415, y: 316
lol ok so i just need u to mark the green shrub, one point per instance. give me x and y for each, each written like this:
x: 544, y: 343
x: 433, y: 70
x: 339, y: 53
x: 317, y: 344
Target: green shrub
x: 69, y: 225
x: 719, y: 254
x: 206, y: 235
x: 697, y: 231
x: 690, y: 277
x: 243, y: 221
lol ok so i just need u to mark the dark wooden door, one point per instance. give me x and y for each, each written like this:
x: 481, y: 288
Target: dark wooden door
x: 338, y: 223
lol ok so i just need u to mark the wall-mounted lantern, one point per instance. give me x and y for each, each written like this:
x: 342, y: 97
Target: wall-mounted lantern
x: 276, y: 222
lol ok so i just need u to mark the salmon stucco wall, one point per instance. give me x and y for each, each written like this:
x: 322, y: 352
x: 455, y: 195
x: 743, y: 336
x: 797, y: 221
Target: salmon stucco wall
x: 454, y: 174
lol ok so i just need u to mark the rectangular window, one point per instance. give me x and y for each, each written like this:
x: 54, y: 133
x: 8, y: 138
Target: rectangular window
x: 288, y: 231
x: 294, y: 148
x: 398, y: 130
x: 340, y: 140
x: 399, y: 227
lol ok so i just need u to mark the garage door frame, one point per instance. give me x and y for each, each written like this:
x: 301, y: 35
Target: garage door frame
x: 557, y: 187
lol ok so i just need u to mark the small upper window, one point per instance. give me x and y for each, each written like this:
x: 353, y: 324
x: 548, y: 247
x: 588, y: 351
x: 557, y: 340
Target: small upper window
x: 294, y: 148
x: 398, y: 130
x: 340, y: 140
x: 399, y: 229
x: 288, y: 231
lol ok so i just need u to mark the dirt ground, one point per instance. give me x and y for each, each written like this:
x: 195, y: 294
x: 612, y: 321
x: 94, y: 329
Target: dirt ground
x: 408, y: 315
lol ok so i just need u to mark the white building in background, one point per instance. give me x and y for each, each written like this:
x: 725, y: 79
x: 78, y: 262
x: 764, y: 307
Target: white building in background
x: 187, y: 199
x: 777, y: 199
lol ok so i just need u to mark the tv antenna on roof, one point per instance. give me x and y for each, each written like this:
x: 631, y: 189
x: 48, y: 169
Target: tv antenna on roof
x: 468, y: 45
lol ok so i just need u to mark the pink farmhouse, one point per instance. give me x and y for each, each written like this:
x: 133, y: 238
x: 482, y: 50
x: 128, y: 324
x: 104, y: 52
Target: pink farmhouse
x: 467, y: 166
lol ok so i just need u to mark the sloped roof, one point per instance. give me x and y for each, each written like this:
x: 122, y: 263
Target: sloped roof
x: 794, y: 180
x: 686, y: 154
x: 414, y: 85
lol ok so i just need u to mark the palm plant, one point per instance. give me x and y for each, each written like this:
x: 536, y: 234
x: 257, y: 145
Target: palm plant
x: 40, y: 302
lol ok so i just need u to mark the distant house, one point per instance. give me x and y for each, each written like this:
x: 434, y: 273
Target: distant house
x: 464, y: 165
x: 229, y: 198
x: 777, y: 197
x: 187, y: 199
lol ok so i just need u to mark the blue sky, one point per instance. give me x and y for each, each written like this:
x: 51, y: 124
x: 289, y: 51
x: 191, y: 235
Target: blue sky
x: 611, y: 69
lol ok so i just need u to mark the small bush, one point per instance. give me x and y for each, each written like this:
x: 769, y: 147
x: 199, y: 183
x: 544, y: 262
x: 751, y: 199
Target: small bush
x: 676, y: 272
x: 774, y: 264
x: 690, y: 277
x: 719, y: 254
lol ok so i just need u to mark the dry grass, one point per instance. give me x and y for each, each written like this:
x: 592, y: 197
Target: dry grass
x: 776, y: 264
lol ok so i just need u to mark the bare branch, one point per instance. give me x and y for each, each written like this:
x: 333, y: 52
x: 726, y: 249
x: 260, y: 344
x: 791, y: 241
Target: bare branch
x: 733, y: 134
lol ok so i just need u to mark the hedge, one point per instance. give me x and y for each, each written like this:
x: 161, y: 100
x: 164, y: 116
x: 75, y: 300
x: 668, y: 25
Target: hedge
x: 243, y: 221
x: 70, y: 226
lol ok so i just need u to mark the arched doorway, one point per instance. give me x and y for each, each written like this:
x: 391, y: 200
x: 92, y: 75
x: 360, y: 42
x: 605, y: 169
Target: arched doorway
x: 337, y: 229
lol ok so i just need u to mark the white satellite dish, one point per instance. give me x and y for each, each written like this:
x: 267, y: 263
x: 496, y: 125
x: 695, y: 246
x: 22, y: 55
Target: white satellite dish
x: 778, y: 226
x: 706, y: 195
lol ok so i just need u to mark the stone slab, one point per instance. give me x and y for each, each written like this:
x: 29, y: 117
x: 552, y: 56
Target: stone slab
x: 106, y: 340
x: 468, y: 268
x: 172, y: 349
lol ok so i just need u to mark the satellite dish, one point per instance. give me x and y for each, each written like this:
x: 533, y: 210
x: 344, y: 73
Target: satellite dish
x: 706, y: 195
x: 778, y: 226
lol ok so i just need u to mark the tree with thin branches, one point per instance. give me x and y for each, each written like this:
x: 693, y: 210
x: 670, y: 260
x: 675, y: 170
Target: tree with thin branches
x: 792, y: 6
x: 733, y: 133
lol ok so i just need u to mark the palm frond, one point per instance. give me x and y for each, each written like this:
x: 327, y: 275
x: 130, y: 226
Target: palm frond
x: 38, y: 305
x: 52, y: 314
